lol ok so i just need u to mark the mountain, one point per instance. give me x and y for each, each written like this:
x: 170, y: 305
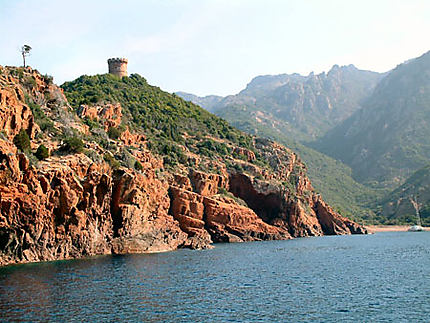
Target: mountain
x: 330, y: 177
x: 302, y: 107
x: 114, y: 165
x: 209, y: 102
x: 398, y: 206
x: 294, y: 108
x: 389, y: 137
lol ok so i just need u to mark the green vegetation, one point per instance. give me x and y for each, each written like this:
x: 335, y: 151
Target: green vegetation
x: 114, y: 133
x: 397, y: 207
x: 138, y: 166
x: 22, y: 141
x: 111, y: 161
x: 40, y: 117
x: 164, y: 118
x: 331, y: 178
x: 30, y: 82
x: 389, y: 138
x: 73, y: 145
x: 48, y: 79
x: 42, y: 152
x: 157, y: 112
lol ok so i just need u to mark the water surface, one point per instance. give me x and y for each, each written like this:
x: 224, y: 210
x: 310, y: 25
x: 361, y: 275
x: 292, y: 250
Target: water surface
x: 381, y: 278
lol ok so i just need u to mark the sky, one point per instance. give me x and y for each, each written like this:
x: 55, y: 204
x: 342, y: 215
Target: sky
x: 212, y: 46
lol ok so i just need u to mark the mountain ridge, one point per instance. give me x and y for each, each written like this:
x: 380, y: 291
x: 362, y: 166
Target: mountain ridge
x: 386, y: 140
x: 246, y: 114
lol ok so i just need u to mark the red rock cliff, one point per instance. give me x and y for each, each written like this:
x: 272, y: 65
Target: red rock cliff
x: 72, y: 204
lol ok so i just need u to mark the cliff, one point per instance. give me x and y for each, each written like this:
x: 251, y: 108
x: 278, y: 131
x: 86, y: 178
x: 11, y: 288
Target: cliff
x: 123, y: 176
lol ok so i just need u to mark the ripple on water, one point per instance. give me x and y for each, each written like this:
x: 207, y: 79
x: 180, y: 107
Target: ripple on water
x: 380, y: 277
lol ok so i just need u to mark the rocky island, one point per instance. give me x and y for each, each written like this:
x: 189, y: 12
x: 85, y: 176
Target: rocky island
x: 108, y: 164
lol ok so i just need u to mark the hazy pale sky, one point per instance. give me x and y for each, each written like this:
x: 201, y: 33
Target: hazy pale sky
x: 212, y: 46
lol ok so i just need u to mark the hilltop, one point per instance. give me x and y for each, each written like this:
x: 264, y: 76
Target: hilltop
x: 300, y: 107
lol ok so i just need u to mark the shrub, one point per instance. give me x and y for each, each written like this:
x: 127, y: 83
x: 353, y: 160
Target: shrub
x: 41, y: 119
x: 22, y: 141
x: 42, y: 152
x: 30, y: 82
x: 111, y: 161
x: 74, y: 145
x: 138, y: 166
x: 48, y: 79
x: 114, y: 133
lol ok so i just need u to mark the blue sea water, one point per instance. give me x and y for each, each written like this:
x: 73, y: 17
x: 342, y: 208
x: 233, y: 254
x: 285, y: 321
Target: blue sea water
x: 383, y: 277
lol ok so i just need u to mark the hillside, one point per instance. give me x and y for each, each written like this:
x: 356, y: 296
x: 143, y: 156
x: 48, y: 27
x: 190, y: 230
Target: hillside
x: 389, y: 138
x: 397, y: 207
x: 115, y: 165
x: 293, y: 108
x: 209, y: 102
x: 330, y: 177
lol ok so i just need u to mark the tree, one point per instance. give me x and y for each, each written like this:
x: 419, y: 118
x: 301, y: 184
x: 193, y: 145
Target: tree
x: 25, y: 51
x: 22, y: 141
x: 73, y: 145
x: 42, y: 152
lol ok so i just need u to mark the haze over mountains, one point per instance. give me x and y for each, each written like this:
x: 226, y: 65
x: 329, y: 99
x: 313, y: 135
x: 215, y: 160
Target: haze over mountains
x: 362, y: 133
x: 307, y: 106
x: 389, y: 137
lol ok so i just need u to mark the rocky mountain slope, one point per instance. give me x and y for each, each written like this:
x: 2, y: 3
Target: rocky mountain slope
x: 389, y: 138
x: 209, y: 102
x: 108, y: 165
x: 374, y: 141
x: 399, y: 206
x: 302, y: 107
x: 294, y: 108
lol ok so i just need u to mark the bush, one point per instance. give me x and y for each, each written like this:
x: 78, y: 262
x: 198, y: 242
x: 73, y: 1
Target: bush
x: 30, y: 82
x: 22, y: 141
x: 111, y: 161
x: 114, y: 133
x: 74, y: 145
x: 42, y: 152
x: 41, y: 119
x: 138, y: 166
x: 48, y: 79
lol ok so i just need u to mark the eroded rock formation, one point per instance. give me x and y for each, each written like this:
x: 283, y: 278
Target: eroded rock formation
x: 72, y: 204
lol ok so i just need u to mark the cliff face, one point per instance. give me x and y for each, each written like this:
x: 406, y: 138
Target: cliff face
x: 74, y: 203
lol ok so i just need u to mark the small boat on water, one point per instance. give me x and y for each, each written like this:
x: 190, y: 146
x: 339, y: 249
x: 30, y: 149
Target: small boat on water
x: 416, y: 228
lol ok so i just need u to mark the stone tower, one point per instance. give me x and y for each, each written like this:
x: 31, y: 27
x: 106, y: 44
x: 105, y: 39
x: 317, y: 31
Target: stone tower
x: 118, y: 66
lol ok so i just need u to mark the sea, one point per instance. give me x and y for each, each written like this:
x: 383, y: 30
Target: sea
x: 383, y: 277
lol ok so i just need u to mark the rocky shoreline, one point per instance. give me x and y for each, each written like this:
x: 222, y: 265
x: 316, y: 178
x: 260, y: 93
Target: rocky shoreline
x: 72, y: 205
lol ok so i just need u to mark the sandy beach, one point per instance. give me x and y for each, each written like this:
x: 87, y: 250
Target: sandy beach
x: 390, y: 228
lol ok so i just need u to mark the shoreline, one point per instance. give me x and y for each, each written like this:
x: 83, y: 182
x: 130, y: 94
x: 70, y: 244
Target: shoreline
x: 390, y: 228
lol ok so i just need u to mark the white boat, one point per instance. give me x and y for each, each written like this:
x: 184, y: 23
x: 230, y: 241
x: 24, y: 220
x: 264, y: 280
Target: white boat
x: 416, y: 228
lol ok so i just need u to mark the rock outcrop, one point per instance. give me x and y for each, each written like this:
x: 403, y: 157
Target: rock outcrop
x: 109, y: 115
x: 71, y: 207
x: 14, y: 113
x: 75, y: 204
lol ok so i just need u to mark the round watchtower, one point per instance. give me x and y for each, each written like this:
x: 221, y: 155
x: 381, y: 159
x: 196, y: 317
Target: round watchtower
x: 118, y: 66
